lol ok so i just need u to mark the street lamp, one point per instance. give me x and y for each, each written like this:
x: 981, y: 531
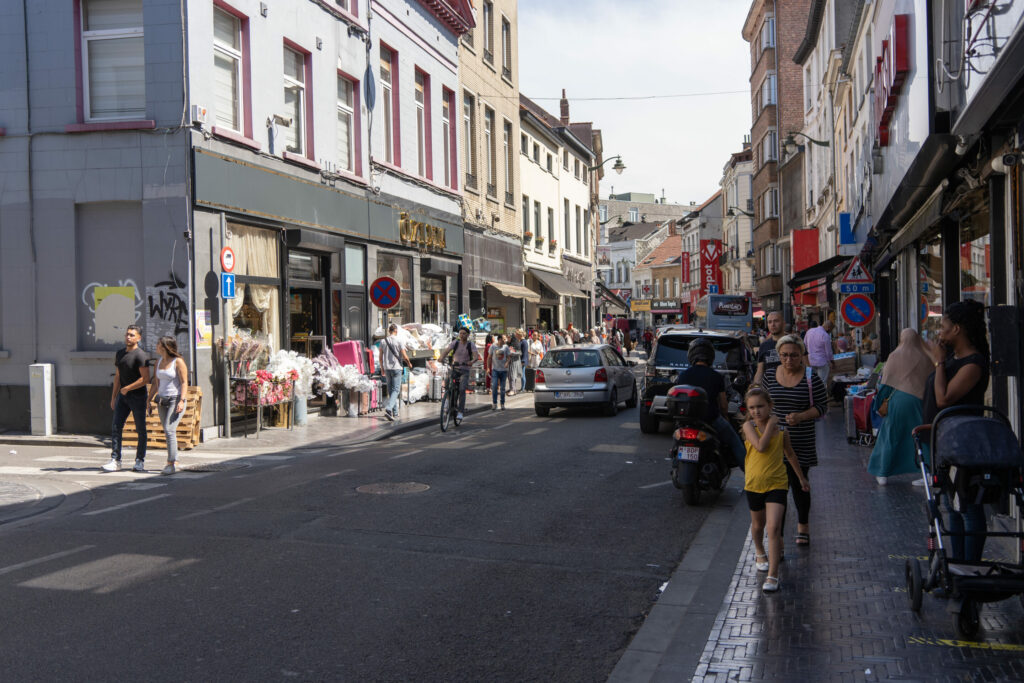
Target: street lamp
x: 791, y: 144
x: 734, y: 210
x: 619, y: 167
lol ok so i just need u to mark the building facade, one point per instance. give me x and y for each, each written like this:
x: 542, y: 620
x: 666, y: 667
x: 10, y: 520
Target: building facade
x: 701, y: 232
x: 737, y: 223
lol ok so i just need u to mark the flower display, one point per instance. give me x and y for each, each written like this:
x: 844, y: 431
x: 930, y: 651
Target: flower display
x: 330, y: 376
x: 291, y: 365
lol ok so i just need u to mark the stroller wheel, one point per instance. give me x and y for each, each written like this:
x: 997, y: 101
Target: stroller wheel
x: 915, y: 588
x: 968, y: 620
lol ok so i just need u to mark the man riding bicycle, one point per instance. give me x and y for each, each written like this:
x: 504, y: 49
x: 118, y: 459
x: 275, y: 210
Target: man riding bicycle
x: 463, y: 353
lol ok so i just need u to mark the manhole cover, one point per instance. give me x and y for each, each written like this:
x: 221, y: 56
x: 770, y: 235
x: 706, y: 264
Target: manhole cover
x: 393, y: 488
x: 213, y: 466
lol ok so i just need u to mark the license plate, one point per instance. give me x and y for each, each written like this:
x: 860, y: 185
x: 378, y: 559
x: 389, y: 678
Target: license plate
x: 568, y: 394
x: 688, y: 453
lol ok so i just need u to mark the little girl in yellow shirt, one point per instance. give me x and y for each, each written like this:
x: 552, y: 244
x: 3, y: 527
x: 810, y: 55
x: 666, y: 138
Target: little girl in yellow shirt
x: 766, y: 484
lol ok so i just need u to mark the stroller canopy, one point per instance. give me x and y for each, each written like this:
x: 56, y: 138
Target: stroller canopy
x: 976, y: 441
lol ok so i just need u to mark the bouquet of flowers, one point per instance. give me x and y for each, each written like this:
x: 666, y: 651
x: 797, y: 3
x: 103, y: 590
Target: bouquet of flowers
x: 243, y: 353
x: 273, y: 389
x: 290, y: 365
x: 330, y: 376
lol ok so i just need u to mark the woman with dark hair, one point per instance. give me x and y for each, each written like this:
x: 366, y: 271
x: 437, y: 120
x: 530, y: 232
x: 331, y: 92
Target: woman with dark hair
x: 487, y: 359
x: 961, y: 362
x: 169, y: 387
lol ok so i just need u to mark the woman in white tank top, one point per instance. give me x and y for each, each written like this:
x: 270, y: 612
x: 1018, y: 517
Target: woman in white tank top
x: 169, y: 388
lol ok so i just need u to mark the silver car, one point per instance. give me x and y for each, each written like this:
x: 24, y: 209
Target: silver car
x: 584, y: 375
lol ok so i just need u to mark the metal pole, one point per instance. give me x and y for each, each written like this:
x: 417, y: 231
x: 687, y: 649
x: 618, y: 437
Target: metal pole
x: 224, y: 324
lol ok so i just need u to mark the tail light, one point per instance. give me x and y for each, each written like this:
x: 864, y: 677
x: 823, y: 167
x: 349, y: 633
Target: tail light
x: 684, y: 390
x: 689, y: 434
x: 601, y: 375
x: 538, y: 377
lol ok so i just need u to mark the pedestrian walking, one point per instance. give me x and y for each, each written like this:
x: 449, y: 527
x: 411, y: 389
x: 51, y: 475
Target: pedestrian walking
x: 524, y: 353
x: 960, y: 378
x: 769, y: 450
x: 899, y: 402
x: 498, y: 360
x: 392, y: 358
x: 129, y: 398
x: 798, y: 398
x: 818, y: 340
x: 767, y: 354
x: 648, y: 341
x: 169, y: 388
x: 488, y: 340
x: 536, y: 350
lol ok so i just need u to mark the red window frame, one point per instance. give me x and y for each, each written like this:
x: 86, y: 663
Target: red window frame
x: 243, y: 20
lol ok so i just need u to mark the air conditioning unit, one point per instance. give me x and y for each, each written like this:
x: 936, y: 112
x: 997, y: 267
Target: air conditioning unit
x: 200, y: 115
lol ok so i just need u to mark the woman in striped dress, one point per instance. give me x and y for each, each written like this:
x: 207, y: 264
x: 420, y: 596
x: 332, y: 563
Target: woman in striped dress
x: 799, y: 397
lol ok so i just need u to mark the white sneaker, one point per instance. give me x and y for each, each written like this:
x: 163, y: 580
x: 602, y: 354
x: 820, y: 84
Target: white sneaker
x: 140, y: 466
x: 458, y: 416
x: 494, y: 406
x: 169, y: 469
x: 882, y: 480
x: 503, y: 406
x: 112, y: 466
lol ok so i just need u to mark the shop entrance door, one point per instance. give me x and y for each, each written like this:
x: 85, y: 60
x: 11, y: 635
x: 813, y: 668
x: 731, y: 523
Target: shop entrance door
x: 545, y: 317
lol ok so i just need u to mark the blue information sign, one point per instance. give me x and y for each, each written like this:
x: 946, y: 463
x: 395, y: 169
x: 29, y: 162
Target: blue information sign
x: 712, y: 289
x: 227, y: 286
x: 848, y: 288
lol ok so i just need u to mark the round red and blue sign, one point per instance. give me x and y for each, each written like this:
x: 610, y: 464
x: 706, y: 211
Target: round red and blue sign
x: 385, y: 292
x: 857, y: 310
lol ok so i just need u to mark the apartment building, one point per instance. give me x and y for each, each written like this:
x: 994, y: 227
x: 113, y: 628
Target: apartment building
x: 737, y: 223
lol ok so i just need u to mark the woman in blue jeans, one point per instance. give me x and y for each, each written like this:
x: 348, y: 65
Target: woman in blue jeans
x: 961, y: 362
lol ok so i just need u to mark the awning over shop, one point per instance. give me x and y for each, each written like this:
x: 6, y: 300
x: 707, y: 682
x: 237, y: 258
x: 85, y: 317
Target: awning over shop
x: 827, y: 269
x: 611, y: 297
x: 758, y: 313
x: 514, y: 291
x: 557, y: 283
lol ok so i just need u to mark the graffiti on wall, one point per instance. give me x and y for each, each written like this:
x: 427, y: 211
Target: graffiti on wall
x: 113, y: 308
x: 167, y: 311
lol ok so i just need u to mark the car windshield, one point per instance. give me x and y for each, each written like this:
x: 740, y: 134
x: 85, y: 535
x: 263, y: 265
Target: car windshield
x: 672, y: 348
x: 571, y: 358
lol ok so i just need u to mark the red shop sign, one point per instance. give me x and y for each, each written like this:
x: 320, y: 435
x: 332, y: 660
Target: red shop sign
x: 710, y: 273
x: 891, y: 70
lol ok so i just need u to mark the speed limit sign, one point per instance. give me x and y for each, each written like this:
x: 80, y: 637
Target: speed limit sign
x: 227, y: 259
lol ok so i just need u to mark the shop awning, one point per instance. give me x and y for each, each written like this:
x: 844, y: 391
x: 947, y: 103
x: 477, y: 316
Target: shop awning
x: 515, y: 291
x: 827, y: 269
x: 611, y: 297
x: 557, y: 283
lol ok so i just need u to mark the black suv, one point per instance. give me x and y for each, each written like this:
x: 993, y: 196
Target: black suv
x: 734, y: 358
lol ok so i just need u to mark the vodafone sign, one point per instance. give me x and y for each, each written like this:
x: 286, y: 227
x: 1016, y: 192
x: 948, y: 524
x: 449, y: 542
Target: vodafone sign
x: 710, y: 273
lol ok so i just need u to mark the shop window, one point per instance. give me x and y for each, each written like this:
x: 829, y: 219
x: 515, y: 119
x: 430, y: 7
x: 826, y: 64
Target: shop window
x: 256, y: 308
x: 303, y: 266
x: 976, y: 259
x: 432, y: 300
x: 930, y: 288
x: 399, y: 268
x: 355, y: 268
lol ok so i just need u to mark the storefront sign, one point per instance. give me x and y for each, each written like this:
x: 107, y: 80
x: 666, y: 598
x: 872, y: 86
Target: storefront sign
x: 685, y: 268
x: 710, y: 272
x: 639, y: 305
x: 891, y: 70
x: 427, y: 237
x: 671, y: 305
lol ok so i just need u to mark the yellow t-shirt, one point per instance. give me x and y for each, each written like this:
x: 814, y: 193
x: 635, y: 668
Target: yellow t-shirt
x: 766, y: 471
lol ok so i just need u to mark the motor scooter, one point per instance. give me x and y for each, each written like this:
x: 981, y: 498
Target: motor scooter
x: 699, y: 461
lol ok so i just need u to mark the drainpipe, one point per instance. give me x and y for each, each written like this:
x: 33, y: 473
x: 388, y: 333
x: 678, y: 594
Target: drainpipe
x: 31, y: 192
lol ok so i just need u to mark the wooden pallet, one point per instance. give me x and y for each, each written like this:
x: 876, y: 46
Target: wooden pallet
x: 188, y: 427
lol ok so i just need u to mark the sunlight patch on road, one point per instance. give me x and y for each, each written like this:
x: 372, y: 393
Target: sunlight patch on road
x: 613, y: 448
x: 109, y: 574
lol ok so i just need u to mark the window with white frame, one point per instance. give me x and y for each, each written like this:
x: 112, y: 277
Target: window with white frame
x: 566, y: 225
x: 488, y: 28
x: 634, y: 214
x: 537, y: 224
x: 551, y: 226
x: 576, y: 168
x: 114, y: 62
x: 421, y: 123
x: 536, y: 153
x: 550, y: 166
x: 768, y: 90
x: 346, y: 125
x: 227, y: 69
x: 526, y: 215
x: 586, y: 232
x: 506, y: 48
x: 490, y: 149
x: 565, y: 159
x: 768, y: 32
x: 469, y: 134
x: 603, y: 212
x: 509, y: 162
x: 771, y: 203
x: 386, y: 62
x: 295, y: 100
x: 770, y: 146
x: 579, y: 231
x: 524, y: 144
x: 446, y: 135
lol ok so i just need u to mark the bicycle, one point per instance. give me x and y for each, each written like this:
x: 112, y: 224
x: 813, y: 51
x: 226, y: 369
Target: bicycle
x: 450, y: 399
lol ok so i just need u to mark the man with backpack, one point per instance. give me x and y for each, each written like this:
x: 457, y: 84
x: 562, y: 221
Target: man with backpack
x: 463, y: 353
x: 393, y: 356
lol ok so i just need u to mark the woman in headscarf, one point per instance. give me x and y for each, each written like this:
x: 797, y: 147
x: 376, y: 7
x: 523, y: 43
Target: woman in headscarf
x: 901, y: 390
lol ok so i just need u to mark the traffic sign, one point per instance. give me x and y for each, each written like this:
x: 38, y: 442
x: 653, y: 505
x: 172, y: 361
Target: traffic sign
x: 712, y: 289
x: 385, y: 292
x: 857, y: 310
x: 856, y: 273
x: 227, y: 286
x: 227, y: 259
x: 848, y: 288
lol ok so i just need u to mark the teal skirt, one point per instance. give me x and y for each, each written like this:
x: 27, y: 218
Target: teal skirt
x: 894, y: 450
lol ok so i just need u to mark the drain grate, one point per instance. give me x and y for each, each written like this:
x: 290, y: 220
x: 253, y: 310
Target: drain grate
x: 393, y: 488
x: 213, y: 466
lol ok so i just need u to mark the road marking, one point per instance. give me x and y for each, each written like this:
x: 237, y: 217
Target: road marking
x: 502, y: 426
x: 227, y: 506
x: 489, y: 445
x: 949, y: 642
x: 279, y: 467
x: 272, y: 458
x: 125, y: 505
x: 21, y: 470
x: 539, y: 430
x: 141, y: 486
x: 39, y: 560
x: 652, y: 486
x: 406, y: 455
x: 66, y: 458
x: 613, y: 448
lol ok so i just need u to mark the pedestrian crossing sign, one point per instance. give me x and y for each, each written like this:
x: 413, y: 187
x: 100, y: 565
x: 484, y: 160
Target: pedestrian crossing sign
x: 856, y: 273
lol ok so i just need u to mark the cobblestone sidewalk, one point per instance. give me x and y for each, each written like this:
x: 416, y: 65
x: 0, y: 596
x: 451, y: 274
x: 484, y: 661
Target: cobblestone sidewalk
x: 842, y: 612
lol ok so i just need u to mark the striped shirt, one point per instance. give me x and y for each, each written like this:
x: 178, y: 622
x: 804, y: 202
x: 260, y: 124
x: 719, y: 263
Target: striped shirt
x: 797, y: 399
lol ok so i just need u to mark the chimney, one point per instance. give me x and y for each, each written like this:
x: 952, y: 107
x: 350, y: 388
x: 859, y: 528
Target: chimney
x: 564, y: 106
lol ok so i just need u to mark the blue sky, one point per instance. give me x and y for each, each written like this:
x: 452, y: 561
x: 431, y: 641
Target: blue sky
x: 601, y: 48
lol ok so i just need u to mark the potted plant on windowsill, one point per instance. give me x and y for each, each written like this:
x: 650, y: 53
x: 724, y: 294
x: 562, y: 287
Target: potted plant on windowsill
x: 540, y: 240
x: 527, y: 236
x: 552, y: 245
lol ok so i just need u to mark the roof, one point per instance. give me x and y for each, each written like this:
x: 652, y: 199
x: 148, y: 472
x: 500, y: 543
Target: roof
x: 708, y: 201
x: 663, y: 254
x: 570, y: 133
x: 538, y: 111
x: 456, y: 15
x: 631, y: 231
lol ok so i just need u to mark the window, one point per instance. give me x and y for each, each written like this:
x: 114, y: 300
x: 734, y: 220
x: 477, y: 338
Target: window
x: 490, y: 149
x: 227, y: 70
x: 603, y: 212
x: 551, y: 226
x: 551, y: 167
x: 506, y: 48
x: 657, y: 288
x: 509, y: 163
x: 576, y: 168
x: 769, y: 147
x: 526, y: 215
x: 350, y: 6
x: 488, y: 28
x: 771, y: 203
x: 625, y: 270
x: 585, y: 173
x: 346, y: 129
x: 536, y: 152
x: 768, y: 33
x: 295, y: 100
x: 675, y: 286
x: 536, y: 221
x: 567, y: 225
x: 389, y: 88
x: 634, y: 214
x: 448, y: 137
x: 579, y: 233
x: 424, y: 161
x: 565, y: 160
x: 586, y: 232
x: 524, y: 144
x: 469, y: 133
x: 114, y: 64
x: 768, y: 90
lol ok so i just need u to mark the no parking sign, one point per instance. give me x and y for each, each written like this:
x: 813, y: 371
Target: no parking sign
x: 385, y: 292
x: 857, y: 310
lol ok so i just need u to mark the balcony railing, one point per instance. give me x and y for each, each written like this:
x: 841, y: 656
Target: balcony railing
x: 488, y: 56
x: 471, y: 180
x: 509, y: 197
x: 492, y: 190
x: 506, y: 72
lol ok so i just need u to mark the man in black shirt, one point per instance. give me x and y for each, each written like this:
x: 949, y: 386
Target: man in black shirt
x: 767, y: 356
x: 701, y: 355
x: 129, y: 397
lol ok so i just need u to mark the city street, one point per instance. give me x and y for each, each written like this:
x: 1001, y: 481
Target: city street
x: 519, y: 561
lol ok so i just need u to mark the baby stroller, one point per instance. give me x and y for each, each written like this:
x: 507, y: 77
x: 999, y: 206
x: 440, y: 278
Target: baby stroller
x: 974, y: 458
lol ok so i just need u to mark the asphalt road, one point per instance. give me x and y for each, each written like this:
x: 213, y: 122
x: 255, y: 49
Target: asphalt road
x: 534, y: 553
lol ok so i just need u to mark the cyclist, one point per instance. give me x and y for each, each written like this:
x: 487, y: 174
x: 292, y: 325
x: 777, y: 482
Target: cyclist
x: 463, y: 353
x: 701, y: 355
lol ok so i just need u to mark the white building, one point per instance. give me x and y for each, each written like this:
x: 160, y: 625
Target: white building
x: 737, y: 222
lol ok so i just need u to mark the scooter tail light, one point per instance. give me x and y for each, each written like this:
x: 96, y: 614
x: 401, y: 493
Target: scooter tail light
x: 680, y: 390
x: 931, y: 542
x: 538, y: 378
x: 601, y: 375
x: 689, y: 434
